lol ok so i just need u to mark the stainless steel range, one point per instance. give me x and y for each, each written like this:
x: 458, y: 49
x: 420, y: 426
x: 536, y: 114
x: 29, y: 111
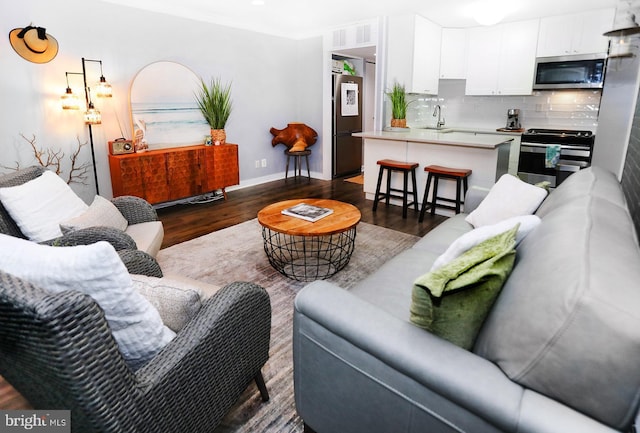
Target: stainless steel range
x: 553, y: 154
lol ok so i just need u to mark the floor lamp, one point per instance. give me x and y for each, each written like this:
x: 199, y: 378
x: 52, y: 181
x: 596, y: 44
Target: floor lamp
x: 92, y: 116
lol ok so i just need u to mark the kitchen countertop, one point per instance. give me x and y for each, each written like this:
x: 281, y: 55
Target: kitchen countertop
x: 448, y: 136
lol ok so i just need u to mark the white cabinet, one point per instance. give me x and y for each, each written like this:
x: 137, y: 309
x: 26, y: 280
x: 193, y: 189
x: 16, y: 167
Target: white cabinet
x: 413, y: 53
x: 399, y: 50
x: 517, y: 64
x: 501, y: 59
x: 483, y: 60
x: 453, y: 54
x: 575, y: 34
x: 354, y: 36
x: 426, y: 56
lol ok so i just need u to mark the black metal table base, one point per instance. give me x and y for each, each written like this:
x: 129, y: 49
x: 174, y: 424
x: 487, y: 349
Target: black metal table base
x: 308, y: 258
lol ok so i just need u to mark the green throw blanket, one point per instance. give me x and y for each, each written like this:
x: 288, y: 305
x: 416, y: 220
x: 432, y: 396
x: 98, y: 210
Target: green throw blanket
x: 453, y: 300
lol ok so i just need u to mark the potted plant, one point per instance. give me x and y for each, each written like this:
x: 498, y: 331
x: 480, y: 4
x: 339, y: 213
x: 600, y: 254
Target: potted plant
x: 215, y: 105
x: 399, y: 105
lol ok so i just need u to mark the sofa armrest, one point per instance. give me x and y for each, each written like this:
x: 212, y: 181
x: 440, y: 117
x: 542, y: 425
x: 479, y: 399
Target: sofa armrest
x: 335, y: 328
x: 219, y: 352
x: 135, y: 209
x: 474, y: 196
x: 90, y: 235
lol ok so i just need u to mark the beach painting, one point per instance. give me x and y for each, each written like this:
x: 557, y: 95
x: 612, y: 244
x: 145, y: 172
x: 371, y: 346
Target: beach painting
x: 164, y: 112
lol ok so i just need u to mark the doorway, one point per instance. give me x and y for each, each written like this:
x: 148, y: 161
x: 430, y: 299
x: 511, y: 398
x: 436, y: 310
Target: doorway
x: 364, y: 61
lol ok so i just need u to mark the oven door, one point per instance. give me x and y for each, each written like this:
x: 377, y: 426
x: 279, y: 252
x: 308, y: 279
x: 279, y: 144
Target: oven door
x: 531, y: 165
x: 532, y: 160
x: 565, y: 168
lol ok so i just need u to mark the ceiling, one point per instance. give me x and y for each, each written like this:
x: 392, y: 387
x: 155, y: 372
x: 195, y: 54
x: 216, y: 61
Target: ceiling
x: 306, y: 18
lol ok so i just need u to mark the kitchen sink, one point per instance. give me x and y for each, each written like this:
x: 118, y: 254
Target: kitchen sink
x: 441, y: 130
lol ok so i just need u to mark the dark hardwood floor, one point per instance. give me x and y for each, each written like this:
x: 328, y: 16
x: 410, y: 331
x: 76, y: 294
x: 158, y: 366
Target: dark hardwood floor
x: 187, y: 221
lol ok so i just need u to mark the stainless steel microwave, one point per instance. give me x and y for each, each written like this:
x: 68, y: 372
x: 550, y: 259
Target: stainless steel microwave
x: 570, y: 72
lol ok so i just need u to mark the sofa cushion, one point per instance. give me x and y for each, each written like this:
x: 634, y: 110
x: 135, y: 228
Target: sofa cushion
x: 470, y: 239
x: 38, y: 206
x: 593, y: 181
x: 566, y: 323
x: 437, y: 241
x: 96, y: 270
x: 148, y: 236
x: 177, y: 301
x: 205, y: 289
x: 101, y: 213
x: 454, y: 300
x: 389, y: 287
x: 509, y: 197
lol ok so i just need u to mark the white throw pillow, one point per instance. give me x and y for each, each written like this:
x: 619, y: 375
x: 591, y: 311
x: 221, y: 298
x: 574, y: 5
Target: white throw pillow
x: 38, y: 206
x: 509, y: 197
x: 96, y: 270
x: 101, y: 213
x: 481, y: 234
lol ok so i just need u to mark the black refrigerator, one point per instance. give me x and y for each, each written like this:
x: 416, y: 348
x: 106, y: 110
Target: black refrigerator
x: 347, y: 119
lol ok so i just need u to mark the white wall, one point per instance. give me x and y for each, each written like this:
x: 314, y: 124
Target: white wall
x: 274, y: 80
x: 619, y: 98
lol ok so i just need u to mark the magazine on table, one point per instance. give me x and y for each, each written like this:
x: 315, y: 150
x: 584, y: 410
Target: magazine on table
x: 307, y: 212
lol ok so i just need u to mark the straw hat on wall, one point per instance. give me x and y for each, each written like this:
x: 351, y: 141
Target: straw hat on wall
x: 34, y: 44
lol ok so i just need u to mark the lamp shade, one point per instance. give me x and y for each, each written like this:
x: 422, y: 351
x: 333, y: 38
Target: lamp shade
x: 92, y: 116
x: 625, y: 21
x: 103, y: 89
x: 69, y: 100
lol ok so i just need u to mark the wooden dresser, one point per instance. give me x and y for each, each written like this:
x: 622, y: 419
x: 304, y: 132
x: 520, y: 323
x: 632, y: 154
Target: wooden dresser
x: 175, y: 173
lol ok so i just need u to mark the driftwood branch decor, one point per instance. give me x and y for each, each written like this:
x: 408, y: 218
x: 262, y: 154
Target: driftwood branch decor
x: 296, y: 136
x: 52, y: 159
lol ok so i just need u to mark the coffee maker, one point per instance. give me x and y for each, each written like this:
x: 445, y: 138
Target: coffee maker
x: 513, y: 118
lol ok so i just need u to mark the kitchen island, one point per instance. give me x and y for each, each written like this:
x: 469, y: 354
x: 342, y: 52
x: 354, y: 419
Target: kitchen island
x: 487, y: 155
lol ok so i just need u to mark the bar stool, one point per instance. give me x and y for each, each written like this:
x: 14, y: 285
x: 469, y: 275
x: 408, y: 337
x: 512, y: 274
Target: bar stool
x: 437, y: 172
x: 297, y: 162
x: 405, y: 168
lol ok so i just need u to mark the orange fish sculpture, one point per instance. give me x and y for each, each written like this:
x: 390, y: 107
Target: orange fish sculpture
x: 296, y: 136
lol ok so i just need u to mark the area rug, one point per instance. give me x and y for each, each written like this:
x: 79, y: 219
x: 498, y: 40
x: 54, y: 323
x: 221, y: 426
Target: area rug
x: 237, y: 254
x: 359, y: 179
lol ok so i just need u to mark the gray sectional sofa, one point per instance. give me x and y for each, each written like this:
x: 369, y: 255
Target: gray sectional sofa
x: 558, y: 352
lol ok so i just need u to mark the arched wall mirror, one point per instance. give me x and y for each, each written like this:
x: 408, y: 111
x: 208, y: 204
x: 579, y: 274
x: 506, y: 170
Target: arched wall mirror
x: 163, y: 109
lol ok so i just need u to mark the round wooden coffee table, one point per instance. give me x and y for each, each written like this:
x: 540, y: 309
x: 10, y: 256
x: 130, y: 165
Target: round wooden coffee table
x: 307, y: 251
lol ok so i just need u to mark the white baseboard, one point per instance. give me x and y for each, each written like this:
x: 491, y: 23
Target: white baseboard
x: 269, y: 178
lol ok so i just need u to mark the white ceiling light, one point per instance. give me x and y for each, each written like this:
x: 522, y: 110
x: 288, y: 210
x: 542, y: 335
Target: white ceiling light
x: 257, y: 2
x: 489, y: 12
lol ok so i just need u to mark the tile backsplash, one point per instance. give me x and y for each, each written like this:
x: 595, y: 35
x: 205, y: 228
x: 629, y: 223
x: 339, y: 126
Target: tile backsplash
x: 560, y: 109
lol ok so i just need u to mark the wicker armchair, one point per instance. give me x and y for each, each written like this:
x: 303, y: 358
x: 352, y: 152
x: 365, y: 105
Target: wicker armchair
x: 141, y: 263
x: 58, y: 352
x: 135, y: 210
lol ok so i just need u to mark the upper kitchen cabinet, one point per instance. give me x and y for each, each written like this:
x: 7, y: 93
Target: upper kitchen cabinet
x: 580, y: 33
x: 501, y: 59
x: 413, y: 53
x: 453, y: 54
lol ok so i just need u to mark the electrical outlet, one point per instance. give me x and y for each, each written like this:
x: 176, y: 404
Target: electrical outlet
x: 264, y: 162
x: 257, y: 163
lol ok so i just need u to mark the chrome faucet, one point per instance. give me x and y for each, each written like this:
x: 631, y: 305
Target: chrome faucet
x: 438, y: 112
